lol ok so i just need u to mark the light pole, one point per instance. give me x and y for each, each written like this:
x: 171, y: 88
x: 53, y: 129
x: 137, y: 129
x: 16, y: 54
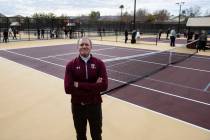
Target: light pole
x: 121, y: 7
x: 180, y: 7
x: 133, y: 36
x: 134, y: 16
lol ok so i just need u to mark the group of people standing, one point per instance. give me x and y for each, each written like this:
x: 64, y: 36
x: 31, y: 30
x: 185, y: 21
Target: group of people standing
x: 135, y: 35
x: 201, y: 38
x: 170, y: 32
x: 56, y: 33
x: 11, y: 32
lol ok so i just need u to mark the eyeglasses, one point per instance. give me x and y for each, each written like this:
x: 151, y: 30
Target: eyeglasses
x: 84, y: 44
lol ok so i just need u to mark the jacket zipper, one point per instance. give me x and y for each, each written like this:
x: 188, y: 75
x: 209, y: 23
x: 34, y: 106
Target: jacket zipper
x: 86, y: 71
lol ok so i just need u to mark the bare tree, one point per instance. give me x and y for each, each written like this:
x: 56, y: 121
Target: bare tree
x: 127, y: 17
x: 207, y: 13
x: 151, y: 18
x: 94, y: 15
x: 161, y: 15
x: 192, y: 11
x: 142, y: 14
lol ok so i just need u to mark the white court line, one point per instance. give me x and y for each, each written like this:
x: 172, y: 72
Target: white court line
x: 104, y: 54
x: 68, y: 59
x: 158, y: 113
x: 60, y: 59
x: 168, y: 83
x: 92, y: 51
x: 74, y: 53
x: 207, y: 87
x: 162, y: 92
x: 100, y: 45
x: 26, y: 47
x: 34, y: 58
x: 171, y: 83
x: 165, y: 93
x: 128, y: 60
x: 62, y: 54
x: 152, y: 78
x: 201, y: 70
x: 50, y: 45
x: 200, y: 57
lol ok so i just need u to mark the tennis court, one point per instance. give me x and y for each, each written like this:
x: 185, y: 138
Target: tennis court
x: 179, y: 93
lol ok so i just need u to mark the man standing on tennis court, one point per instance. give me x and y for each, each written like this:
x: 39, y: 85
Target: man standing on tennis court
x: 172, y: 37
x: 85, y: 78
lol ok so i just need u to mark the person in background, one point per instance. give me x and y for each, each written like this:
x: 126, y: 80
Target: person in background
x: 172, y: 37
x: 137, y: 35
x: 196, y: 35
x: 160, y: 33
x: 190, y: 36
x: 104, y: 32
x: 38, y: 33
x: 167, y: 33
x: 5, y: 36
x: 126, y: 36
x: 14, y: 33
x: 202, y: 40
x: 42, y: 33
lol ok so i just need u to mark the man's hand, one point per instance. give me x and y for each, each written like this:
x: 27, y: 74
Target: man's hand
x: 99, y: 80
x: 76, y: 84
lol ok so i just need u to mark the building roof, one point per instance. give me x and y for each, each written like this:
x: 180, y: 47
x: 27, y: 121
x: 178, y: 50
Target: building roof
x: 198, y: 22
x: 176, y: 19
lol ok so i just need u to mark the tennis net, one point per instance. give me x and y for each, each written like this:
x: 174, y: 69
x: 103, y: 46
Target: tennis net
x: 123, y: 71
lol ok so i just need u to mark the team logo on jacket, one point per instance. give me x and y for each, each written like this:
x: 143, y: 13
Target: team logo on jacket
x: 93, y: 66
x: 78, y: 67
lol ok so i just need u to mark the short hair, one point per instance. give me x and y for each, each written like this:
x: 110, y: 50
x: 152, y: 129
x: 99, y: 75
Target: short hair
x: 82, y: 39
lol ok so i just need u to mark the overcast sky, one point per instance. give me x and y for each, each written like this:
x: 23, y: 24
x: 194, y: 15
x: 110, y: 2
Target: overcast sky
x: 84, y: 7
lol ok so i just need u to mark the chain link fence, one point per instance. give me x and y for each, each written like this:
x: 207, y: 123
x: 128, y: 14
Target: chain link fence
x: 26, y: 29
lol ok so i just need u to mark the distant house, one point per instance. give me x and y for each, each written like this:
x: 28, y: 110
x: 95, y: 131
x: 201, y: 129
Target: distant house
x: 199, y: 23
x: 18, y: 16
x: 15, y: 18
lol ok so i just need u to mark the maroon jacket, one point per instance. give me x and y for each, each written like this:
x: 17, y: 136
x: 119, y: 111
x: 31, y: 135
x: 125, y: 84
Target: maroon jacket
x: 88, y: 91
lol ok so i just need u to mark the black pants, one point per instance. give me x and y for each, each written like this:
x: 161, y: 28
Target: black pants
x: 126, y: 39
x: 172, y: 41
x: 5, y: 39
x: 167, y: 36
x: 92, y: 114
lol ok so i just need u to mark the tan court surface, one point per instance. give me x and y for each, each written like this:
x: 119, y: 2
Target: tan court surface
x: 33, y: 106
